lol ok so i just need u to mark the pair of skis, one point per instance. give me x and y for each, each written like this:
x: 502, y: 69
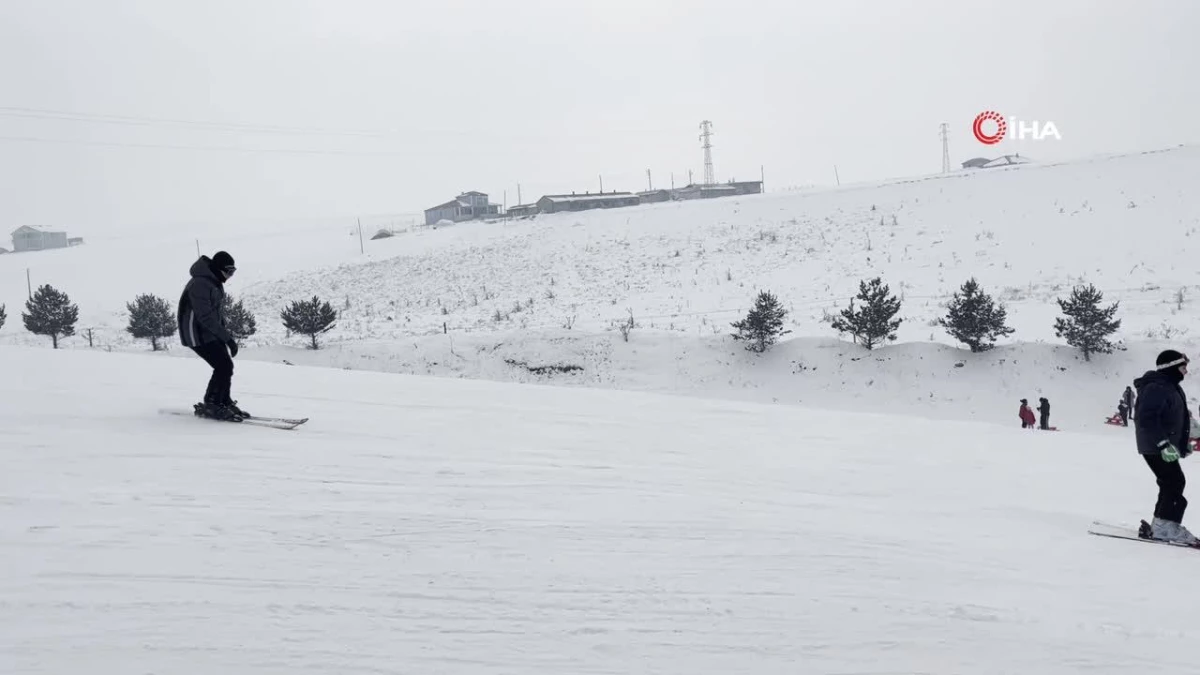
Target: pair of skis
x: 1142, y: 533
x: 284, y: 423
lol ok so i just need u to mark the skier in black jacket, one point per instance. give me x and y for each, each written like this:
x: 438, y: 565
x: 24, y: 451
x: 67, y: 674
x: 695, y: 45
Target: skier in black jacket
x: 1162, y: 426
x: 1127, y: 399
x: 202, y: 328
x: 1044, y: 409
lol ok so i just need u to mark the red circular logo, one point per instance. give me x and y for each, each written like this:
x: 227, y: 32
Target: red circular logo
x: 989, y: 139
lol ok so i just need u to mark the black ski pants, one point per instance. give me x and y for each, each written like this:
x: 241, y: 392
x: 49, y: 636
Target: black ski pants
x: 216, y: 354
x: 1171, y: 503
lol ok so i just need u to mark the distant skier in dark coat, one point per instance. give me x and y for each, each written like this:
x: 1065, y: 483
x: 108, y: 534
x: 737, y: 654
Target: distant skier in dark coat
x: 1044, y: 409
x: 202, y: 328
x: 1162, y: 425
x: 1026, y: 414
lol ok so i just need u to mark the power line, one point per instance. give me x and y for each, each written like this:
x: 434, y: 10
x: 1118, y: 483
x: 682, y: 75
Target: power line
x: 61, y: 115
x: 206, y: 148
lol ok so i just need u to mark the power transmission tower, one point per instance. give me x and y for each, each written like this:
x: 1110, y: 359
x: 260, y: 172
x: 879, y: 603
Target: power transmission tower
x: 706, y: 136
x: 945, y: 148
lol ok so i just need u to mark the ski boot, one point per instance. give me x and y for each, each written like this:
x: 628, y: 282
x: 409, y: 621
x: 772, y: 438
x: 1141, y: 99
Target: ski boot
x: 217, y: 411
x: 233, y: 406
x: 1165, y: 530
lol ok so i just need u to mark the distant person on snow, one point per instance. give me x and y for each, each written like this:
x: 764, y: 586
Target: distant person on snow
x: 202, y: 328
x: 1127, y: 398
x: 1123, y: 412
x: 1162, y: 425
x: 1044, y: 409
x: 1026, y: 413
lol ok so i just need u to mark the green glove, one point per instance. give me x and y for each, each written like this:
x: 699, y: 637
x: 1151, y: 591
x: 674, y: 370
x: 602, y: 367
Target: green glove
x: 1169, y: 452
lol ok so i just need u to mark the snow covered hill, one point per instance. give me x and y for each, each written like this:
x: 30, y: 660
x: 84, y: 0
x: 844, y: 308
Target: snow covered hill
x: 1126, y: 224
x: 481, y: 299
x: 434, y: 525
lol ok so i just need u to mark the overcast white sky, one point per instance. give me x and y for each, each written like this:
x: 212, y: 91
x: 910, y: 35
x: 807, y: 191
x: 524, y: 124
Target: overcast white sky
x: 482, y: 94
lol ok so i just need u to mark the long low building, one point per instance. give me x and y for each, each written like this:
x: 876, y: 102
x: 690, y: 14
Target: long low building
x: 610, y: 200
x: 586, y: 201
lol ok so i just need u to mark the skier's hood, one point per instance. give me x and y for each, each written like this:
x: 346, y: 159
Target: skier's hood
x: 1169, y: 378
x: 203, y: 268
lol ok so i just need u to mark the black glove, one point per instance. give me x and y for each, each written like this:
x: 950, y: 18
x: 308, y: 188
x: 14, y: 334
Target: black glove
x: 233, y: 347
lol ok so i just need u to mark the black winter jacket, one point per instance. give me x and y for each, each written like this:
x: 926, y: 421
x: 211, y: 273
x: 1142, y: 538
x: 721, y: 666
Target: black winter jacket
x: 1161, y: 414
x: 199, y: 316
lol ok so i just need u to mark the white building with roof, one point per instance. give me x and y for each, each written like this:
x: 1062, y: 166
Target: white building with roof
x: 37, y: 238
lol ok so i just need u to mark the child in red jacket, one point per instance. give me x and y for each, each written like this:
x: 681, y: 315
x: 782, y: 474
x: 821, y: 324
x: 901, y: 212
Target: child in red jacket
x: 1028, y: 421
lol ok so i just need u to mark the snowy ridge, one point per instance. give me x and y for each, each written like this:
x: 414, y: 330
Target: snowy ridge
x: 433, y: 525
x: 555, y: 287
x: 1126, y: 223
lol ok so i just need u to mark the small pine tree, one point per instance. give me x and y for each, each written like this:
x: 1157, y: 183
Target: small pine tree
x: 763, y: 324
x: 150, y: 317
x: 3, y: 316
x: 1086, y: 325
x: 974, y: 319
x: 50, y: 312
x: 239, y: 321
x: 309, y: 317
x: 873, y: 322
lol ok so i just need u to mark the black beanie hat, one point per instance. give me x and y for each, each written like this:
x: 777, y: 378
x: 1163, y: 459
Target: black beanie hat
x: 222, y: 260
x: 1169, y: 359
x: 222, y: 265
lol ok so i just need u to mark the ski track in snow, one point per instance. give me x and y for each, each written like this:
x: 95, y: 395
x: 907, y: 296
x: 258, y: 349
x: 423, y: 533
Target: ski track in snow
x: 441, y: 526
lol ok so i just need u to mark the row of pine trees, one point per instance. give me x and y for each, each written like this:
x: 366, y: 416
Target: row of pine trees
x: 972, y: 318
x: 51, y: 313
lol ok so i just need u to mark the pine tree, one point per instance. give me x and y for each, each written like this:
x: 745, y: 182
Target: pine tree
x: 1086, y: 325
x: 3, y: 316
x: 309, y: 317
x: 50, y: 312
x: 151, y: 317
x: 873, y: 322
x: 974, y: 319
x: 239, y: 321
x: 763, y: 324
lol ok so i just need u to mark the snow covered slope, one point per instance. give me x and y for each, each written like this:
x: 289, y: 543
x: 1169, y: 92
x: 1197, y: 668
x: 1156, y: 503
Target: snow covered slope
x: 438, y: 526
x: 1126, y: 223
x: 481, y: 299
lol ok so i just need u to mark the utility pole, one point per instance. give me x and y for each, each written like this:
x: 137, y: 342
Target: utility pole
x: 506, y: 204
x: 672, y: 180
x: 649, y: 182
x: 361, y: 248
x: 945, y: 147
x: 519, y: 194
x: 706, y: 136
x: 601, y: 184
x: 835, y: 175
x: 28, y: 283
x: 197, y: 248
x: 690, y: 181
x: 762, y: 179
